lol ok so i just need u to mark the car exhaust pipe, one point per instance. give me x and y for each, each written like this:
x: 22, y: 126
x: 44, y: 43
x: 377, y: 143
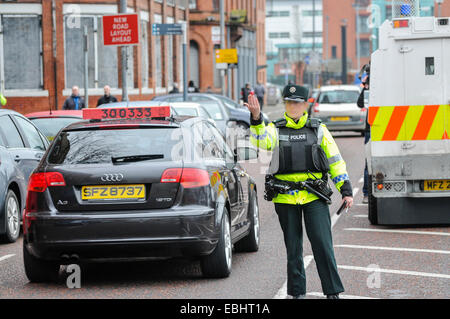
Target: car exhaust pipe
x: 74, y: 258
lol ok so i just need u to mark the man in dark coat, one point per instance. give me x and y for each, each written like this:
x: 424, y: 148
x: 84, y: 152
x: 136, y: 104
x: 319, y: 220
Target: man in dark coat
x: 75, y: 101
x: 107, y: 98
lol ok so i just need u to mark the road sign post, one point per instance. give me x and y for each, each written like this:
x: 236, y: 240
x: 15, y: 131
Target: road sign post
x: 161, y: 29
x: 121, y: 30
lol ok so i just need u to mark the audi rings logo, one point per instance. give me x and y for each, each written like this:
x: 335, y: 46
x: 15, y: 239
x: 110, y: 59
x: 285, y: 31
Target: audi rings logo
x: 112, y: 178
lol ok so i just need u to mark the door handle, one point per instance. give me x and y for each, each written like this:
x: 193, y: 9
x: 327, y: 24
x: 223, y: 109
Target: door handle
x: 17, y: 158
x: 39, y: 156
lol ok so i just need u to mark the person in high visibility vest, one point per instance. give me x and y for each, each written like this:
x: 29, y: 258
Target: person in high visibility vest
x: 296, y: 143
x: 3, y: 100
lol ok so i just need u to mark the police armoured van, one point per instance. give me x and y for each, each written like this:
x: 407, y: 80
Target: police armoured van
x: 409, y: 112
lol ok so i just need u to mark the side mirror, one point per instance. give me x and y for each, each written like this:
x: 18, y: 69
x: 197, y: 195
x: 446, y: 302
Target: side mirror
x: 245, y: 154
x: 311, y: 100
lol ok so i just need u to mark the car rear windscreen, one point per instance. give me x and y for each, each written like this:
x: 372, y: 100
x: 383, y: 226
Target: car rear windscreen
x: 102, y: 146
x: 51, y: 126
x: 338, y: 97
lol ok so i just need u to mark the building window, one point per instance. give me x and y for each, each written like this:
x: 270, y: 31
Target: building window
x: 192, y: 4
x: 364, y: 48
x: 102, y: 60
x: 334, y: 52
x: 279, y: 35
x: 21, y: 61
x: 271, y: 14
x: 216, y: 5
x: 364, y: 24
x: 309, y: 13
x: 312, y: 35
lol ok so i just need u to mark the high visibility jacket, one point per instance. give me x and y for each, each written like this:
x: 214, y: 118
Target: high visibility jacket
x: 266, y: 137
x: 2, y: 99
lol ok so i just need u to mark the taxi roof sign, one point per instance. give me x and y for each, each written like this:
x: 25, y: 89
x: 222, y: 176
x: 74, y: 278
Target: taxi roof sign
x: 127, y: 113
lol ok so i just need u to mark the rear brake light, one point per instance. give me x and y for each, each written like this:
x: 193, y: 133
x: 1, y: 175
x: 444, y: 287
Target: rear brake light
x: 193, y: 177
x: 188, y: 177
x: 40, y: 181
x: 171, y: 175
x: 401, y: 24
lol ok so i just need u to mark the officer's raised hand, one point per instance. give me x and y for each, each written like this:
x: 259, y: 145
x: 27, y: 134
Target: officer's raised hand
x: 253, y: 106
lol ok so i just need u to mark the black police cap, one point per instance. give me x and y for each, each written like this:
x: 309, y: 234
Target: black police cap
x: 295, y: 93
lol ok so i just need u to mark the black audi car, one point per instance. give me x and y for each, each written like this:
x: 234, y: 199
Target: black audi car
x: 139, y: 183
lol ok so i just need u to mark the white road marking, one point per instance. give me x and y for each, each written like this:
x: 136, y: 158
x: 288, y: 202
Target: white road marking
x: 282, y: 292
x: 361, y: 180
x: 393, y: 271
x: 396, y: 249
x: 319, y: 294
x: 360, y: 216
x: 397, y: 231
x: 6, y: 257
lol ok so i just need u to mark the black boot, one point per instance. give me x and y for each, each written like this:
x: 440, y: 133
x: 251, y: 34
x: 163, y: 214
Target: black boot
x: 335, y: 296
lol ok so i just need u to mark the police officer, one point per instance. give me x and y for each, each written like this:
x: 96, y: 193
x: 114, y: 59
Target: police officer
x: 298, y: 143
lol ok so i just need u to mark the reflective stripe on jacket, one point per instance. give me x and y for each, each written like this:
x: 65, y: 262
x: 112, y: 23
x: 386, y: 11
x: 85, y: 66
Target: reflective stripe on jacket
x: 266, y: 137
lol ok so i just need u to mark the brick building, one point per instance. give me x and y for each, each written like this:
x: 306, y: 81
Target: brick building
x: 41, y: 51
x: 336, y: 13
x: 247, y: 35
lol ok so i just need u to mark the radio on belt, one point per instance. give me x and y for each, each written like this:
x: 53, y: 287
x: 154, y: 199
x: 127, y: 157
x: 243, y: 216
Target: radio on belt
x: 127, y: 113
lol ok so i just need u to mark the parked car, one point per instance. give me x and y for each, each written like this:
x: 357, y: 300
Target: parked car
x: 233, y: 111
x: 113, y: 189
x: 336, y: 107
x: 51, y: 122
x: 22, y: 146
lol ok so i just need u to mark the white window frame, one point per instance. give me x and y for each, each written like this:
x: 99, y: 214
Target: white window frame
x: 17, y: 10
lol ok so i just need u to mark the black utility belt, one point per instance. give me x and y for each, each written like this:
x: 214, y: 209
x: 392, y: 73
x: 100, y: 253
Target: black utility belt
x: 318, y: 187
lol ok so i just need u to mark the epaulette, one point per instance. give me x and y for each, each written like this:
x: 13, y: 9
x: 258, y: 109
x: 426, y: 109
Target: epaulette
x: 314, y: 123
x: 280, y: 122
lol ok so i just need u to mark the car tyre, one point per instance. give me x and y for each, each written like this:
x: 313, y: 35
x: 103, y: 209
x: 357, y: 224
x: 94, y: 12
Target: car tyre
x: 373, y: 213
x: 12, y: 217
x: 38, y: 270
x: 250, y: 243
x: 218, y: 263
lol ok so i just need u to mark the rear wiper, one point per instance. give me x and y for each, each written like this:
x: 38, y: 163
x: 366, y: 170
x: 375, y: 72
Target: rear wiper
x: 136, y: 158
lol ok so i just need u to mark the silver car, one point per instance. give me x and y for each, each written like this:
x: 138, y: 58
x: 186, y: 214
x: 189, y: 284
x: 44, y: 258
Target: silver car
x: 336, y: 107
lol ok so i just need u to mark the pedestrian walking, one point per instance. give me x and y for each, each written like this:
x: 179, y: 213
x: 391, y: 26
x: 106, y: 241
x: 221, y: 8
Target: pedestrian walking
x: 303, y: 151
x: 107, y: 97
x: 260, y: 91
x: 75, y: 101
x: 245, y: 92
x: 192, y: 88
x: 174, y: 89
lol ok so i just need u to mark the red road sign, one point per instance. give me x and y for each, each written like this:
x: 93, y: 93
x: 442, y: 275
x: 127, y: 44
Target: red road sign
x: 121, y: 29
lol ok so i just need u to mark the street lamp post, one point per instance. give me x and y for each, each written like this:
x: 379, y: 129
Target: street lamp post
x: 344, y: 50
x: 124, y: 50
x: 439, y: 3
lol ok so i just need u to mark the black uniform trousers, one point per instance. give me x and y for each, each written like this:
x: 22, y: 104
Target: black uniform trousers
x: 318, y: 228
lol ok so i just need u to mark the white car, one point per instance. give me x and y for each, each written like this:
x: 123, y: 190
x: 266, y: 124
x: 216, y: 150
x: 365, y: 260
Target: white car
x: 336, y: 106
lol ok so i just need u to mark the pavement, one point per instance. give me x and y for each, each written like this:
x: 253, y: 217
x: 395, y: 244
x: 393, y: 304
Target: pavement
x: 373, y: 261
